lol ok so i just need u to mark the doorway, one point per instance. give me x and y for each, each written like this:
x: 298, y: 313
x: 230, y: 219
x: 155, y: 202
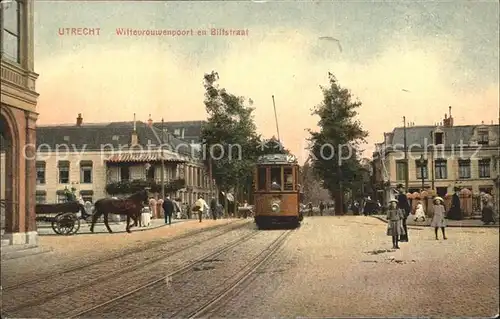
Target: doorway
x: 6, y: 176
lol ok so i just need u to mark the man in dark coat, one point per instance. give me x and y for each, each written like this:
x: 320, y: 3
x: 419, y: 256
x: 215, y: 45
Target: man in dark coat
x: 455, y: 210
x: 213, y: 208
x: 168, y: 208
x: 404, y: 205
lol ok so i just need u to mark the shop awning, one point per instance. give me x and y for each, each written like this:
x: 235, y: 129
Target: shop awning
x: 145, y: 157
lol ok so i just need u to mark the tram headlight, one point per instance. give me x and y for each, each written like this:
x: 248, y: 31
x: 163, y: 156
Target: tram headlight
x: 275, y: 207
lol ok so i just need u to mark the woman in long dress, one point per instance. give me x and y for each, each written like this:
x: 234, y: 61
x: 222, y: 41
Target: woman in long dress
x: 419, y: 212
x: 395, y: 222
x: 438, y: 220
x: 488, y: 211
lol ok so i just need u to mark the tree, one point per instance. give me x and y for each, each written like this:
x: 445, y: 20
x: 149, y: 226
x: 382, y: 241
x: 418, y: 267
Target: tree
x: 229, y: 136
x: 334, y: 149
x: 312, y: 186
x: 271, y: 146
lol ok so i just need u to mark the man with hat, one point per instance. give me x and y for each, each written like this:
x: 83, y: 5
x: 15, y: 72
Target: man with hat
x: 405, y: 206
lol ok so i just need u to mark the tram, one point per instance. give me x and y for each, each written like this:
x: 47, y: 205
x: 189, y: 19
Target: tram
x: 277, y: 191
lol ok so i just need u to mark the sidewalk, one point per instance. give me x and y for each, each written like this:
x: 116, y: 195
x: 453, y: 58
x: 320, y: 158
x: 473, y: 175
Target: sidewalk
x: 45, y: 229
x: 449, y: 223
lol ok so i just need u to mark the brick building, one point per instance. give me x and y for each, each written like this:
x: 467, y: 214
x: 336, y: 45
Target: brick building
x: 17, y: 123
x: 440, y: 157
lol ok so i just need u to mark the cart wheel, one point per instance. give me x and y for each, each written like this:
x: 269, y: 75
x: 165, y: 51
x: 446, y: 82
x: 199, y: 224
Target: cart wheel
x: 77, y: 227
x: 65, y: 224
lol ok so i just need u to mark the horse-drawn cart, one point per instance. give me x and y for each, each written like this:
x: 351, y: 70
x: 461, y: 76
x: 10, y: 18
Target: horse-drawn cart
x: 66, y: 221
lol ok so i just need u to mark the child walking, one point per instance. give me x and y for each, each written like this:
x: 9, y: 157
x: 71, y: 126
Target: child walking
x: 438, y: 220
x: 395, y: 222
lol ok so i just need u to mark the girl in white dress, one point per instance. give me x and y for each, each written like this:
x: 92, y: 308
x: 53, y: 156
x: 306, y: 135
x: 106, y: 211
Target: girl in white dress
x: 419, y: 212
x: 438, y: 220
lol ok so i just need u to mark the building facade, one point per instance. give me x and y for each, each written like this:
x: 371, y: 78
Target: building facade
x: 441, y: 157
x: 95, y: 157
x: 17, y: 123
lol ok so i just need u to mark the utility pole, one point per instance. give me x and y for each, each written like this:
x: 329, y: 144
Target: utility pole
x: 407, y: 171
x: 162, y: 163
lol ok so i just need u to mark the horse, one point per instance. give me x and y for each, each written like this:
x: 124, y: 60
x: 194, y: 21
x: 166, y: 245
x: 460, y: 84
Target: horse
x: 131, y: 207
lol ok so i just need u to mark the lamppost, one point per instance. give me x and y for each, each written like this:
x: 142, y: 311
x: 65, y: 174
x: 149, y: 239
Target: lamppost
x: 422, y: 163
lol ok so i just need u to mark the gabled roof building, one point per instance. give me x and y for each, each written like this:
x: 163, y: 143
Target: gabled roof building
x: 92, y: 157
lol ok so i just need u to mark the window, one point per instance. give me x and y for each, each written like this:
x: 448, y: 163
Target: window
x: 61, y: 198
x: 288, y: 175
x: 150, y: 174
x: 484, y: 168
x: 441, y: 191
x: 486, y: 190
x: 438, y: 138
x: 483, y: 137
x: 11, y: 13
x: 276, y: 182
x: 421, y: 168
x: 40, y: 173
x: 440, y: 169
x: 463, y: 169
x: 87, y: 198
x: 261, y: 179
x: 198, y: 177
x: 124, y: 173
x: 63, y: 172
x: 87, y: 195
x: 400, y: 170
x: 41, y: 197
x: 86, y: 172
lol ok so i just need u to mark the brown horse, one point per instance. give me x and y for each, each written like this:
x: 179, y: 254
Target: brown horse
x: 131, y: 207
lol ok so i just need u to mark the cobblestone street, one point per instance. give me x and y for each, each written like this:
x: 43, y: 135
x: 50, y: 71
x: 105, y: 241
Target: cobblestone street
x: 342, y: 266
x: 330, y: 266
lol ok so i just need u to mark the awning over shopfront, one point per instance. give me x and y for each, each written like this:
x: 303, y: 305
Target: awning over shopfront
x: 144, y: 157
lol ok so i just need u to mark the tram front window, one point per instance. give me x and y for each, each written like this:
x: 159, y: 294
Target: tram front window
x: 276, y: 181
x: 262, y: 179
x: 288, y: 174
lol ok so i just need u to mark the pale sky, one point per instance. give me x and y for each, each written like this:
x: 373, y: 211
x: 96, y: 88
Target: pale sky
x: 442, y: 53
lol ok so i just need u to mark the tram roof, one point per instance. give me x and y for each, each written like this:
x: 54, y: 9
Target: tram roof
x: 277, y: 159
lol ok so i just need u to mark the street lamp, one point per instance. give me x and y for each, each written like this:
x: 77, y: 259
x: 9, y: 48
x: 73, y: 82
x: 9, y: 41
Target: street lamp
x: 422, y: 162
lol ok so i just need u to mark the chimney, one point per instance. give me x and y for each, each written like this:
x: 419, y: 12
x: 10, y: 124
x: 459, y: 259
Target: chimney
x: 134, y: 139
x: 150, y: 121
x: 448, y: 120
x: 79, y: 120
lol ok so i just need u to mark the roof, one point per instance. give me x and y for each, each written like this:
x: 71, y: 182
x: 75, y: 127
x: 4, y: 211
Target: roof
x: 277, y: 159
x: 192, y: 129
x: 142, y: 157
x: 422, y: 135
x: 105, y: 136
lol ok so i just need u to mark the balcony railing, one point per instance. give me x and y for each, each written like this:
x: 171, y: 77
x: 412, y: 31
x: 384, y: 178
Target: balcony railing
x: 129, y: 187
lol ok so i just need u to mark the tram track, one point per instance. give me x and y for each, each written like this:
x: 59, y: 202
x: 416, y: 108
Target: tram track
x: 242, y: 278
x: 72, y: 282
x: 67, y: 302
x: 143, y: 248
x: 193, y: 292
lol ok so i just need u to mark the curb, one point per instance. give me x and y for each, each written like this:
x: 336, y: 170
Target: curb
x: 28, y: 252
x: 456, y: 226
x: 114, y: 232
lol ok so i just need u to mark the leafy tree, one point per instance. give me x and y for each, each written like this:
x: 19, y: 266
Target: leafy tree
x: 230, y: 137
x: 271, y: 146
x: 334, y: 149
x: 312, y: 186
